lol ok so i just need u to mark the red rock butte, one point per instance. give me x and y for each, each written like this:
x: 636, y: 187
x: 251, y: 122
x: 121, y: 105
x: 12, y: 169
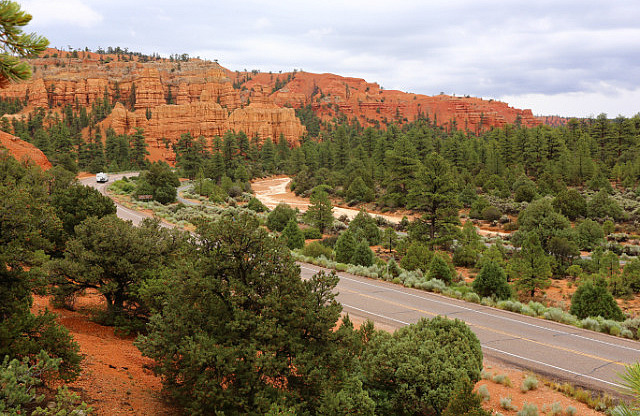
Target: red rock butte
x: 205, y: 99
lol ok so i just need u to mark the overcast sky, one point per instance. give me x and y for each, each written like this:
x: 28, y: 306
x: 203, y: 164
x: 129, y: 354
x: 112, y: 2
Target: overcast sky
x: 561, y: 57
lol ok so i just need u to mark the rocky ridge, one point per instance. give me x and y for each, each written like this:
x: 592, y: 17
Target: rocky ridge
x: 203, y: 98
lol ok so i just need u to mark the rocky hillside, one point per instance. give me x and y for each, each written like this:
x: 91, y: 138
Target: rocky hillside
x: 170, y: 97
x: 23, y: 151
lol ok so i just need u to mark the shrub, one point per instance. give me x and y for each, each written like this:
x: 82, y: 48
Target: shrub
x: 418, y: 257
x: 20, y: 381
x: 529, y: 383
x: 345, y: 247
x: 502, y: 379
x: 362, y: 255
x: 571, y: 411
x: 491, y: 213
x: 492, y: 280
x: 509, y: 305
x: 366, y: 225
x: 505, y: 403
x: 471, y: 297
x: 590, y: 324
x: 292, y: 236
x: 594, y: 299
x: 312, y: 233
x: 483, y: 391
x: 528, y: 409
x: 315, y: 249
x: 439, y: 269
x: 556, y: 409
x: 558, y: 315
x: 254, y: 204
x: 280, y: 217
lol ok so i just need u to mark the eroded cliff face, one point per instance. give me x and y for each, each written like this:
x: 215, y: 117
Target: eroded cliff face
x: 23, y: 151
x: 329, y: 95
x: 167, y: 99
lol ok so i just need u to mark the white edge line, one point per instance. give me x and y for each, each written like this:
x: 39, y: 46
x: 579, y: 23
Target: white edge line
x: 498, y: 351
x: 485, y: 313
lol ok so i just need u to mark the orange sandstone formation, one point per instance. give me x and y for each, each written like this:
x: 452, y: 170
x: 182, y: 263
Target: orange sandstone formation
x: 23, y: 151
x: 169, y: 98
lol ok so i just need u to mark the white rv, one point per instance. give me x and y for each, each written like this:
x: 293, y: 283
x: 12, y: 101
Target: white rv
x: 102, y: 177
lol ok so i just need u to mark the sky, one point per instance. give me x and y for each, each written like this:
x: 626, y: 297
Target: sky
x: 563, y: 57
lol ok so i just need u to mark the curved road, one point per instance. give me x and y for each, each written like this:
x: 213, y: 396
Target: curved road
x: 558, y: 351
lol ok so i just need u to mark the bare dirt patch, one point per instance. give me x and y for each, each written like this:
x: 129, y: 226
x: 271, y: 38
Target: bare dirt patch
x: 116, y: 379
x: 274, y: 190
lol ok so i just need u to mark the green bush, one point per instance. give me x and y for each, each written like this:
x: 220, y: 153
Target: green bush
x: 20, y: 381
x: 491, y: 213
x: 492, y: 280
x: 528, y: 409
x: 315, y: 249
x: 292, y: 235
x: 592, y: 298
x: 529, y: 383
x: 439, y: 269
x: 312, y: 233
x: 362, y: 255
x: 391, y: 362
x: 418, y: 257
x: 280, y: 217
x: 345, y: 247
x: 254, y: 204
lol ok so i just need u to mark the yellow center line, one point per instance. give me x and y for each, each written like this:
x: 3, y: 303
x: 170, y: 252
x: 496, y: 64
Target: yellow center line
x: 544, y: 344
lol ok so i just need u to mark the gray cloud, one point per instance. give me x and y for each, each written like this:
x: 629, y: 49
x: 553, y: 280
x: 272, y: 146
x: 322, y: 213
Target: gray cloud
x: 490, y: 48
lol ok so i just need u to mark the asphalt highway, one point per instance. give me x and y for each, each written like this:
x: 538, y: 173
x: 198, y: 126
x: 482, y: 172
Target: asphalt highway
x: 561, y: 352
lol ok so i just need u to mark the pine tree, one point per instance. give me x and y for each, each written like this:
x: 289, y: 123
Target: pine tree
x: 292, y: 235
x: 345, y: 247
x: 492, y: 281
x: 320, y: 213
x: 434, y: 191
x: 132, y: 97
x: 439, y: 269
x: 531, y: 267
x: 16, y: 44
x: 362, y: 255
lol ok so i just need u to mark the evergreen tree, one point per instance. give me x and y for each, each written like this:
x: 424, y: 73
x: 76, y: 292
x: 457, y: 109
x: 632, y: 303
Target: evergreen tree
x: 280, y: 216
x: 320, y: 213
x: 292, y: 235
x: 345, y: 247
x: 366, y: 225
x: 531, y: 267
x: 439, y: 269
x: 138, y: 152
x: 258, y: 325
x: 593, y: 299
x: 492, y: 281
x: 434, y: 192
x: 362, y: 255
x: 404, y: 377
x: 28, y: 228
x: 132, y: 97
x: 267, y: 156
x: 16, y: 44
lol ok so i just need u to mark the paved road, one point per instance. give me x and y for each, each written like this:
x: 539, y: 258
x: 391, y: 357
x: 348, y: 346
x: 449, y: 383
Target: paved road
x: 562, y: 352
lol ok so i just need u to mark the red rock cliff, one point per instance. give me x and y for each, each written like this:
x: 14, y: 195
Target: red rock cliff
x: 205, y: 99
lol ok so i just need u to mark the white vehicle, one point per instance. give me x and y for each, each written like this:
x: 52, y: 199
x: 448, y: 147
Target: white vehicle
x: 102, y: 177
